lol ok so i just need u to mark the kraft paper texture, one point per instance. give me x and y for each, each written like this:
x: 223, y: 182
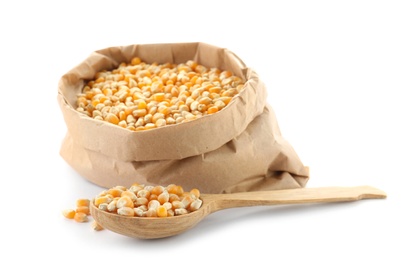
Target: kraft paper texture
x: 237, y: 149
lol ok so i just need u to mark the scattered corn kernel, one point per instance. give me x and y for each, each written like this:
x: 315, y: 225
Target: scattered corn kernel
x: 81, y: 213
x: 83, y: 209
x: 96, y: 226
x: 81, y: 217
x: 82, y: 202
x: 68, y: 213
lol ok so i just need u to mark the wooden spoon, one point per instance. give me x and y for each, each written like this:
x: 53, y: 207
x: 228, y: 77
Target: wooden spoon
x: 151, y: 228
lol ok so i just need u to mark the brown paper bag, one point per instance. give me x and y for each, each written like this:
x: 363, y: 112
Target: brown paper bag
x: 239, y: 148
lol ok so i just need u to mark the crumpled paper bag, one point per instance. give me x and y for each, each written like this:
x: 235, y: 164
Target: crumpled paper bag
x: 237, y: 149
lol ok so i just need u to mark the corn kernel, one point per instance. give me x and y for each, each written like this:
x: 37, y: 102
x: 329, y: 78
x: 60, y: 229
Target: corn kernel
x: 112, y: 118
x: 153, y: 204
x: 195, y: 205
x: 96, y: 226
x: 102, y: 199
x: 195, y: 192
x: 212, y: 110
x: 81, y: 217
x: 124, y: 201
x: 83, y: 209
x: 126, y: 211
x: 161, y: 211
x: 69, y: 213
x: 136, y: 61
x: 129, y: 194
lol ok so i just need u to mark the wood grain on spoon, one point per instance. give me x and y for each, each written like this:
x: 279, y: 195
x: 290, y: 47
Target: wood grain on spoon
x: 152, y: 228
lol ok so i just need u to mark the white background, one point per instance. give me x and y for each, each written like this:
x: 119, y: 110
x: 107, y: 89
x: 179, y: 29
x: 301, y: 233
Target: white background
x: 336, y: 73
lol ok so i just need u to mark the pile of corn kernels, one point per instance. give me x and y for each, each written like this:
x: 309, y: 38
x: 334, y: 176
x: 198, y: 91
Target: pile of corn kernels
x: 149, y: 201
x: 141, y: 96
x: 138, y: 200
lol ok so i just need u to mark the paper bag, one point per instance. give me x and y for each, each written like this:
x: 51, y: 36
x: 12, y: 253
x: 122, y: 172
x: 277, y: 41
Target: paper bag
x: 238, y: 149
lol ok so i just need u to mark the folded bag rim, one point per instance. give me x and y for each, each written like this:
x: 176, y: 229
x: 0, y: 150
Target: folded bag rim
x: 170, y: 142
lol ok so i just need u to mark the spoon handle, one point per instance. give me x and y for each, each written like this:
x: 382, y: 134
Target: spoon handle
x: 294, y: 196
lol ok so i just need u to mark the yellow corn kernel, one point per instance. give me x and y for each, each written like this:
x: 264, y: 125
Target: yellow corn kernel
x: 139, y: 112
x: 161, y: 211
x: 192, y: 64
x: 212, y: 110
x: 141, y: 201
x: 122, y: 115
x: 170, y: 213
x: 225, y: 74
x: 153, y: 197
x: 81, y: 217
x: 136, y: 61
x: 129, y: 194
x: 187, y: 200
x: 195, y: 192
x: 153, y: 204
x: 150, y: 126
x: 142, y: 104
x: 151, y: 213
x: 195, y: 205
x: 177, y: 205
x: 96, y: 226
x: 120, y: 187
x: 102, y: 199
x: 126, y: 211
x: 83, y: 209
x: 123, y: 124
x: 156, y: 87
x: 158, y: 97
x: 170, y: 121
x: 175, y: 189
x: 112, y: 206
x: 219, y: 104
x: 124, y: 201
x: 112, y: 118
x: 135, y: 187
x: 230, y: 92
x: 103, y: 206
x: 138, y: 212
x: 143, y: 193
x: 167, y: 205
x: 163, y: 109
x: 68, y: 213
x: 157, y: 116
x: 173, y: 197
x: 82, y: 202
x: 163, y: 197
x: 205, y: 100
x: 129, y: 112
x: 95, y: 102
x: 161, y: 122
x: 180, y: 211
x: 157, y: 190
x: 115, y: 192
x: 99, y: 80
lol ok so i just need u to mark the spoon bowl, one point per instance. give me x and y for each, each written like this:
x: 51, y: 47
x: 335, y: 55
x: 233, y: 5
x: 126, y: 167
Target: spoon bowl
x: 156, y: 227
